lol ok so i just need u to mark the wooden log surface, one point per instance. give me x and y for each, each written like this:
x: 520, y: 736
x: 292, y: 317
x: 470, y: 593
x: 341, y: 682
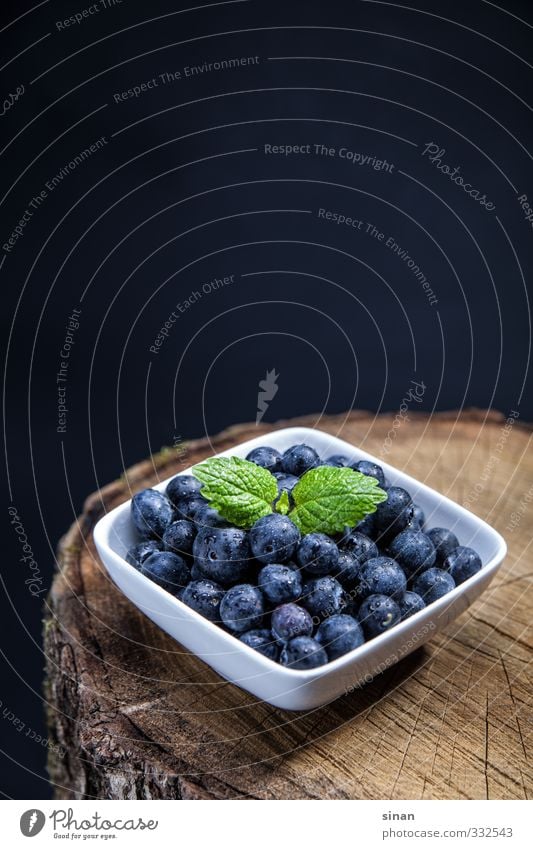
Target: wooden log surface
x: 138, y: 717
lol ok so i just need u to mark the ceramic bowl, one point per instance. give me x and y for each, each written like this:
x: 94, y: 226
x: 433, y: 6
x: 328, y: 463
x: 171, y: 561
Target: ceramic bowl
x: 269, y: 681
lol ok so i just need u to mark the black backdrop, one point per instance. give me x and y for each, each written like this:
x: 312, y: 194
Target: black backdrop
x: 162, y: 191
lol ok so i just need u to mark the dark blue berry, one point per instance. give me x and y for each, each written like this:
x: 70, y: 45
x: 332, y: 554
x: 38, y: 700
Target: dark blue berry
x: 262, y: 641
x: 414, y: 551
x: 273, y: 539
x: 196, y: 572
x: 360, y: 546
x: 137, y: 554
x: 242, y: 608
x: 223, y: 554
x: 286, y: 483
x: 339, y: 634
x: 410, y: 603
x: 317, y: 554
x: 367, y: 526
x: 183, y: 487
x: 348, y: 569
x: 179, y: 537
x: 151, y: 513
x: 205, y: 516
x: 298, y: 459
x: 290, y: 620
x: 444, y: 541
x: 462, y: 563
x: 204, y: 596
x: 418, y: 519
x: 323, y: 597
x: 303, y: 653
x: 266, y: 457
x: 394, y: 514
x: 352, y: 603
x: 377, y: 614
x: 338, y: 460
x: 279, y: 584
x: 187, y: 508
x: 433, y: 584
x: 168, y: 570
x: 366, y: 467
x: 382, y: 576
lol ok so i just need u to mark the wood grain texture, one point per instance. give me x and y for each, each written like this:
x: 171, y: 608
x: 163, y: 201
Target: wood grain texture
x: 140, y: 718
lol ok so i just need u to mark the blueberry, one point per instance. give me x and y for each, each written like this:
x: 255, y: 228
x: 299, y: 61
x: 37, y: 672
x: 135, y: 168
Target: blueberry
x: 339, y: 634
x: 462, y: 563
x: 352, y: 604
x: 419, y: 518
x: 298, y: 459
x: 303, y: 653
x: 273, y: 539
x: 205, y: 516
x: 286, y: 483
x: 187, y: 508
x: 279, y: 583
x: 151, y: 513
x: 317, y: 554
x: 348, y: 569
x: 410, y: 603
x: 196, y: 572
x: 367, y: 526
x: 366, y: 467
x: 360, y: 546
x: 382, y: 576
x: 183, y: 487
x: 266, y: 457
x: 444, y: 541
x: 377, y: 614
x: 241, y: 608
x: 222, y: 554
x: 179, y: 537
x: 204, y: 596
x: 262, y: 641
x: 137, y: 554
x: 338, y: 460
x: 433, y: 584
x: 323, y: 597
x: 168, y: 570
x: 414, y: 551
x: 289, y: 621
x: 394, y: 514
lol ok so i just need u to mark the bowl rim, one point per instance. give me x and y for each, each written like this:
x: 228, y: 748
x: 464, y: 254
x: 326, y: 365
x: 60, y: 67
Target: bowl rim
x: 106, y: 525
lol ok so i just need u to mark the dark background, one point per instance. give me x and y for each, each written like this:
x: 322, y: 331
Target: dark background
x: 179, y: 199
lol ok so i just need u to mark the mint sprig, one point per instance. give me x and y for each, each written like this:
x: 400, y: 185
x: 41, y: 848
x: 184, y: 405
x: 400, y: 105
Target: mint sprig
x: 329, y: 499
x: 326, y: 499
x: 239, y: 490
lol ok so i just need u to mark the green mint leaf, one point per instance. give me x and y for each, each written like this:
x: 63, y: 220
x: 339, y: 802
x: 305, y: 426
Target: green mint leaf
x: 327, y: 499
x: 241, y: 491
x: 283, y: 503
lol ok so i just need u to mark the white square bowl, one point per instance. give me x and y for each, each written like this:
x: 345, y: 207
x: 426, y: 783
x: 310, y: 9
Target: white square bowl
x: 294, y: 689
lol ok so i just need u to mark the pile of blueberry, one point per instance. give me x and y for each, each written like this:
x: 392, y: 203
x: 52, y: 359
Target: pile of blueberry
x: 299, y: 600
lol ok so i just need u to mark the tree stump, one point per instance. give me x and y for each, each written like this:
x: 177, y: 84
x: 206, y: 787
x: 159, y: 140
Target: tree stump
x: 138, y: 717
